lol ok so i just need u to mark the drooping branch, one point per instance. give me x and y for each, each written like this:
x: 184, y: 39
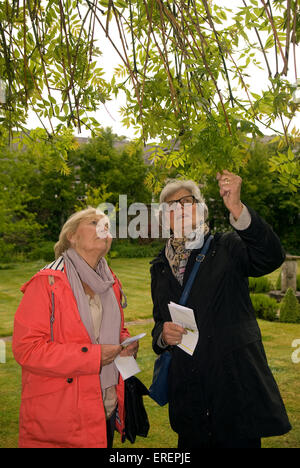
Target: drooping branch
x: 211, y: 23
x: 294, y: 39
x: 261, y: 46
x: 277, y: 41
x: 180, y: 42
x: 288, y: 37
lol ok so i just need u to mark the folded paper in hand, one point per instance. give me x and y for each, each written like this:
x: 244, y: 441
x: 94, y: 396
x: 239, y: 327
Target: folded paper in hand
x: 132, y: 339
x: 127, y: 365
x: 184, y: 316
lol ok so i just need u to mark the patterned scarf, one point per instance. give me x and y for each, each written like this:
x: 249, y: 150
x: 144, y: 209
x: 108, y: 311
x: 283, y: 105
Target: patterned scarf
x: 178, y: 251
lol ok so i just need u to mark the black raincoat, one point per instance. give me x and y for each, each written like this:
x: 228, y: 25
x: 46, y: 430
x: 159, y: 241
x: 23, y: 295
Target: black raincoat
x: 226, y: 389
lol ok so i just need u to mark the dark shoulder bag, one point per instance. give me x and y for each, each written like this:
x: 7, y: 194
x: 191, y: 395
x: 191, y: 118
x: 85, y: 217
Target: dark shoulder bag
x: 158, y: 390
x: 136, y: 418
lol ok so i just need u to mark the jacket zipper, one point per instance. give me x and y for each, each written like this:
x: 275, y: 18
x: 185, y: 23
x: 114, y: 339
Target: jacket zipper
x: 52, y: 318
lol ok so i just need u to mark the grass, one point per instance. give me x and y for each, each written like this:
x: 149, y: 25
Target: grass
x: 10, y: 295
x: 134, y: 274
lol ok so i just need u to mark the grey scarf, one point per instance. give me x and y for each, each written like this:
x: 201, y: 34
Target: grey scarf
x: 100, y: 281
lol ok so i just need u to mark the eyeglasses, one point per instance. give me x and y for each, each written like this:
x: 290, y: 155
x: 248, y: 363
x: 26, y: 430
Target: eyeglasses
x: 187, y: 200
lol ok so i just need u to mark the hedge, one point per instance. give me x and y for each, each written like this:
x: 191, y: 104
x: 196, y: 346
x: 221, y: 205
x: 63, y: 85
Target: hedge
x: 265, y: 307
x: 290, y: 308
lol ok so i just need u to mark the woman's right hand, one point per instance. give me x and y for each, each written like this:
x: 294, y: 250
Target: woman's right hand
x: 172, y: 333
x: 109, y: 353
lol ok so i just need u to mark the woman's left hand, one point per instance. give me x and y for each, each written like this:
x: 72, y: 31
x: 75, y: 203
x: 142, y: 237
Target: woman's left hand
x: 230, y: 190
x: 130, y: 350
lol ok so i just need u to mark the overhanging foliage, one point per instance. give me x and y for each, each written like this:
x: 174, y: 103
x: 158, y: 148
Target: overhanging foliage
x: 184, y: 67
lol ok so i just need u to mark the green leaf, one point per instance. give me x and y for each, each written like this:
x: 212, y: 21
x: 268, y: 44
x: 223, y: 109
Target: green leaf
x: 51, y: 99
x: 291, y: 156
x: 121, y: 4
x: 269, y: 42
x: 256, y: 96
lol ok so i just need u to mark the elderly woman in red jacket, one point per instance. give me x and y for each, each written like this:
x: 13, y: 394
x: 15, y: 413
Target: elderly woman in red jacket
x: 67, y: 333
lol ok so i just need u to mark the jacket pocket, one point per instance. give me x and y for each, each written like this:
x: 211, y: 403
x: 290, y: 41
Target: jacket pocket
x: 238, y: 336
x: 49, y: 414
x: 36, y: 385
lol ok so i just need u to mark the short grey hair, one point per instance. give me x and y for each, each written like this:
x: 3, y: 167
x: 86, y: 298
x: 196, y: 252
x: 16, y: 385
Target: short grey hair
x: 174, y: 185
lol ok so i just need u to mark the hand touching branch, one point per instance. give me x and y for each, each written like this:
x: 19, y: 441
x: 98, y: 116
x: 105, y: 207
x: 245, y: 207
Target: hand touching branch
x: 230, y: 190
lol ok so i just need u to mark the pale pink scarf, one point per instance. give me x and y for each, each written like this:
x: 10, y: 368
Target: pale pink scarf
x: 101, y: 282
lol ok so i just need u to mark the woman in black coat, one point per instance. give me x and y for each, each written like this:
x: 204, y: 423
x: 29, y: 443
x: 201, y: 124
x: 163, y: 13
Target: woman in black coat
x: 224, y: 395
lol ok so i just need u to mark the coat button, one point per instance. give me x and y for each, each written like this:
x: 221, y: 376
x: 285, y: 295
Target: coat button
x: 69, y: 380
x: 84, y: 349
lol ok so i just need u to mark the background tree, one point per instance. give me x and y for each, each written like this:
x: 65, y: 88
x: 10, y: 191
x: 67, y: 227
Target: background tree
x: 20, y: 228
x: 36, y: 198
x: 121, y: 170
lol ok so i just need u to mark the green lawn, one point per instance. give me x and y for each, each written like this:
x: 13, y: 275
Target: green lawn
x: 134, y: 274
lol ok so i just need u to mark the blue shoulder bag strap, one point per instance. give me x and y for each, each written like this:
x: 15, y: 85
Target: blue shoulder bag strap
x: 158, y: 391
x: 199, y: 259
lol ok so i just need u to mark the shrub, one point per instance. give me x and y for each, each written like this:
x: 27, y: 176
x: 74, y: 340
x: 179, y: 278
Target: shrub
x: 265, y: 307
x: 290, y: 308
x: 132, y: 249
x: 260, y: 285
x: 43, y: 251
x: 6, y: 251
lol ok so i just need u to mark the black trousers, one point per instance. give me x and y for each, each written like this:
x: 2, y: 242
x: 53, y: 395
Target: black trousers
x: 110, y: 429
x: 188, y: 442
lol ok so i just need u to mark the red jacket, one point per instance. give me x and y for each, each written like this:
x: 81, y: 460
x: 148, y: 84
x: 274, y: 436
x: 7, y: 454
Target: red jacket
x: 61, y: 403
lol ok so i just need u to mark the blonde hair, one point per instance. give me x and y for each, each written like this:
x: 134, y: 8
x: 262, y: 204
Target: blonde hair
x: 174, y: 185
x: 70, y: 227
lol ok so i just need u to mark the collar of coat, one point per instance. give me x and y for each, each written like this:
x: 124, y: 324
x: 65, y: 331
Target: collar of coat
x: 161, y: 257
x: 57, y: 265
x: 58, y: 269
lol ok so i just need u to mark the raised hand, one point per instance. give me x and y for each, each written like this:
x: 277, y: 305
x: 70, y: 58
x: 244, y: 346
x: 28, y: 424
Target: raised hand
x: 230, y: 190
